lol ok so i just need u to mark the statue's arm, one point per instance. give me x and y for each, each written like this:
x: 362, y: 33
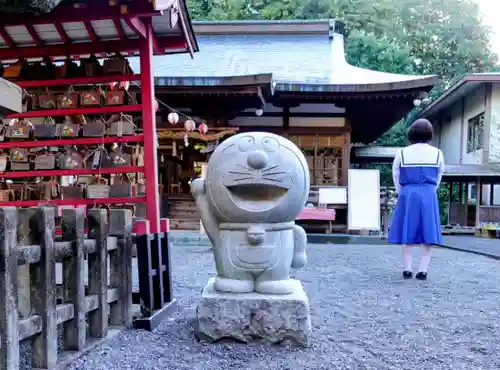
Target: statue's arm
x: 300, y: 245
x: 209, y: 221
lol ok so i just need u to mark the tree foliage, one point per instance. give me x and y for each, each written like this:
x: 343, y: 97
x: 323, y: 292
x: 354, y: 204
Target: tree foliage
x: 443, y: 37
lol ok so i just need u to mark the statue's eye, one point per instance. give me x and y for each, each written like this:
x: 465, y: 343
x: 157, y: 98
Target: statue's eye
x: 246, y: 142
x: 270, y: 144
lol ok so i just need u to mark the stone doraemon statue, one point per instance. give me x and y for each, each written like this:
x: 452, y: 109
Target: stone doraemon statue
x: 255, y: 186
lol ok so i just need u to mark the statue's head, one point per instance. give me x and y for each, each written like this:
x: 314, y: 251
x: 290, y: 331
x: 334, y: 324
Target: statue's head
x: 257, y: 177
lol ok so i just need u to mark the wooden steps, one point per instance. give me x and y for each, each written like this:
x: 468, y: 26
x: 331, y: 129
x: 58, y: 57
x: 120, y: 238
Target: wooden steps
x: 183, y: 214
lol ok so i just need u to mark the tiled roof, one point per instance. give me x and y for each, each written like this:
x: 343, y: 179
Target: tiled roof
x: 290, y: 58
x: 300, y: 57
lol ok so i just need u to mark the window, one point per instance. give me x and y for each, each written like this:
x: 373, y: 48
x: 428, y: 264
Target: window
x: 475, y: 133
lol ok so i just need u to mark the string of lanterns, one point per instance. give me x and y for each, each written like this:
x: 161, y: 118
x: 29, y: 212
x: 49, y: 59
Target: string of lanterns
x: 174, y: 117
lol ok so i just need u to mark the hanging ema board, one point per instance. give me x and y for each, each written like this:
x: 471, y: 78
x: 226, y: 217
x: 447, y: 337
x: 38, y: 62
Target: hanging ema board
x: 364, y: 200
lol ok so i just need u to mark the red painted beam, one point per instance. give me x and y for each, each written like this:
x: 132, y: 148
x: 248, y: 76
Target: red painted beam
x: 34, y: 35
x: 77, y: 81
x: 62, y: 33
x: 119, y: 29
x: 68, y: 142
x: 76, y: 111
x: 90, y: 30
x: 75, y: 172
x: 140, y: 29
x: 6, y: 37
x: 111, y: 47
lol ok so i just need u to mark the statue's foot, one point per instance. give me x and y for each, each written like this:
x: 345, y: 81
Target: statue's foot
x: 274, y: 287
x: 234, y: 286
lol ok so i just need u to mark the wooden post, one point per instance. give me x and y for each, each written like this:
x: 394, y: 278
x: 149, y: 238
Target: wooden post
x: 149, y: 128
x: 98, y: 271
x: 9, y: 319
x: 74, y: 284
x: 346, y: 156
x: 121, y: 266
x: 43, y: 288
x: 479, y: 195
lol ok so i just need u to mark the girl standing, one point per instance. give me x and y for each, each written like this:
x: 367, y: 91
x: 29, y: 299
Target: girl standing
x: 417, y: 171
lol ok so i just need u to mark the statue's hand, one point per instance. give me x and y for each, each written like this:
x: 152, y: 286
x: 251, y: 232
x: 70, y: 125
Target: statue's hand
x: 300, y: 245
x: 198, y: 187
x: 299, y: 260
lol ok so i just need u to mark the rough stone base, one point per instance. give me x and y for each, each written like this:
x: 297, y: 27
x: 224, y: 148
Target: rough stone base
x: 254, y: 317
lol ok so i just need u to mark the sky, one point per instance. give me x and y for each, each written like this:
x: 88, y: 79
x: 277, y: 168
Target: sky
x: 490, y: 10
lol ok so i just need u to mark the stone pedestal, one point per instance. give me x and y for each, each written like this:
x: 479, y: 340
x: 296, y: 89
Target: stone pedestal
x: 252, y: 316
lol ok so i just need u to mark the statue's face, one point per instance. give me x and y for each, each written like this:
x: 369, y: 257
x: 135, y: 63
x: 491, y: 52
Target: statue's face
x: 257, y: 177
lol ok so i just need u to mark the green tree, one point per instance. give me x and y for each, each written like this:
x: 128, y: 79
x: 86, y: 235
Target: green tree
x: 444, y: 37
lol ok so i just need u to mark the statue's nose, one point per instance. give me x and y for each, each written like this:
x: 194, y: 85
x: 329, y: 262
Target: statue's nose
x: 257, y: 160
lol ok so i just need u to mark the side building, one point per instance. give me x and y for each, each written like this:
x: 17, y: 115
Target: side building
x: 466, y: 118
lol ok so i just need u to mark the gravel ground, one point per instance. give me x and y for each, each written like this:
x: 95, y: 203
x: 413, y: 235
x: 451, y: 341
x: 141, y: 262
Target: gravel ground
x: 364, y: 317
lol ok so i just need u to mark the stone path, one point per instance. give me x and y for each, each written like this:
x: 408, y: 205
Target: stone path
x: 482, y: 246
x: 364, y: 317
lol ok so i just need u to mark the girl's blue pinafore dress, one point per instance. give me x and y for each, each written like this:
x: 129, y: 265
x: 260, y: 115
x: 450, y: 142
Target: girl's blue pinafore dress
x: 416, y: 219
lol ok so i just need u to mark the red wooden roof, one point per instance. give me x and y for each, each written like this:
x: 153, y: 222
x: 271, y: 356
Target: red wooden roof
x: 83, y: 27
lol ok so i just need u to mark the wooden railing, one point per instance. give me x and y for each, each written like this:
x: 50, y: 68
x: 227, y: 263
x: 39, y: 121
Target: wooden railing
x: 109, y: 240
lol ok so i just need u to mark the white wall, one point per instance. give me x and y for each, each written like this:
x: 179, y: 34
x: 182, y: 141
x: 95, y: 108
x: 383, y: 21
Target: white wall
x: 453, y: 131
x: 495, y: 125
x: 450, y: 134
x: 475, y: 103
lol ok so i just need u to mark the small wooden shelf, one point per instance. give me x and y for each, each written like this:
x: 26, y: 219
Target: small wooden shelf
x: 74, y: 172
x: 77, y: 111
x: 76, y: 141
x: 71, y: 202
x: 77, y: 81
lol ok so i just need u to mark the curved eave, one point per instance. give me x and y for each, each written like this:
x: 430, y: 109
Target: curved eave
x: 425, y: 83
x: 456, y: 92
x: 207, y: 81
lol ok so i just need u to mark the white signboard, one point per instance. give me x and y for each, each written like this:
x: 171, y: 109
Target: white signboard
x: 333, y: 195
x: 364, y: 200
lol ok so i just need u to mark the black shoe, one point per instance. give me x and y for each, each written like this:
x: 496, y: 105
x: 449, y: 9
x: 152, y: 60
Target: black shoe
x: 421, y: 276
x: 407, y: 275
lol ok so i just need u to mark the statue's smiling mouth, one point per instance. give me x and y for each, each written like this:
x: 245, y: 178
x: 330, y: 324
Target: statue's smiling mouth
x: 256, y: 196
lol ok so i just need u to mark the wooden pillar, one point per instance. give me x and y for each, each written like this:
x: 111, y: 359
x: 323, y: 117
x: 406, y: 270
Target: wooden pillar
x: 149, y: 129
x: 43, y: 290
x: 479, y: 194
x: 450, y: 195
x: 286, y: 121
x: 466, y: 202
x: 9, y: 317
x: 346, y: 155
x: 75, y: 330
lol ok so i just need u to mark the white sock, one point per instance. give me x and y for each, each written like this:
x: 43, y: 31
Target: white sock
x: 425, y: 258
x: 407, y: 255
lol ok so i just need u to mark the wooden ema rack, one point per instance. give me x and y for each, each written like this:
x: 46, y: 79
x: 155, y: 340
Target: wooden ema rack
x: 86, y: 111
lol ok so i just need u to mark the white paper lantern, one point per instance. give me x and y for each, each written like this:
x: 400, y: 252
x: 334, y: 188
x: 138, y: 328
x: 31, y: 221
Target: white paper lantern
x: 203, y: 128
x: 173, y: 118
x: 190, y: 125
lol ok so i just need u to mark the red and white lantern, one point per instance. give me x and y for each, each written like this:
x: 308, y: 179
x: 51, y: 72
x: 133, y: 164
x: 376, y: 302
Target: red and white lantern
x: 203, y: 128
x: 112, y: 85
x: 125, y: 85
x: 173, y: 118
x: 157, y: 106
x: 190, y: 125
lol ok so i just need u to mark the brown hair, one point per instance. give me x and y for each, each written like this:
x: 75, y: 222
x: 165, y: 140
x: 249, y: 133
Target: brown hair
x: 420, y: 131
